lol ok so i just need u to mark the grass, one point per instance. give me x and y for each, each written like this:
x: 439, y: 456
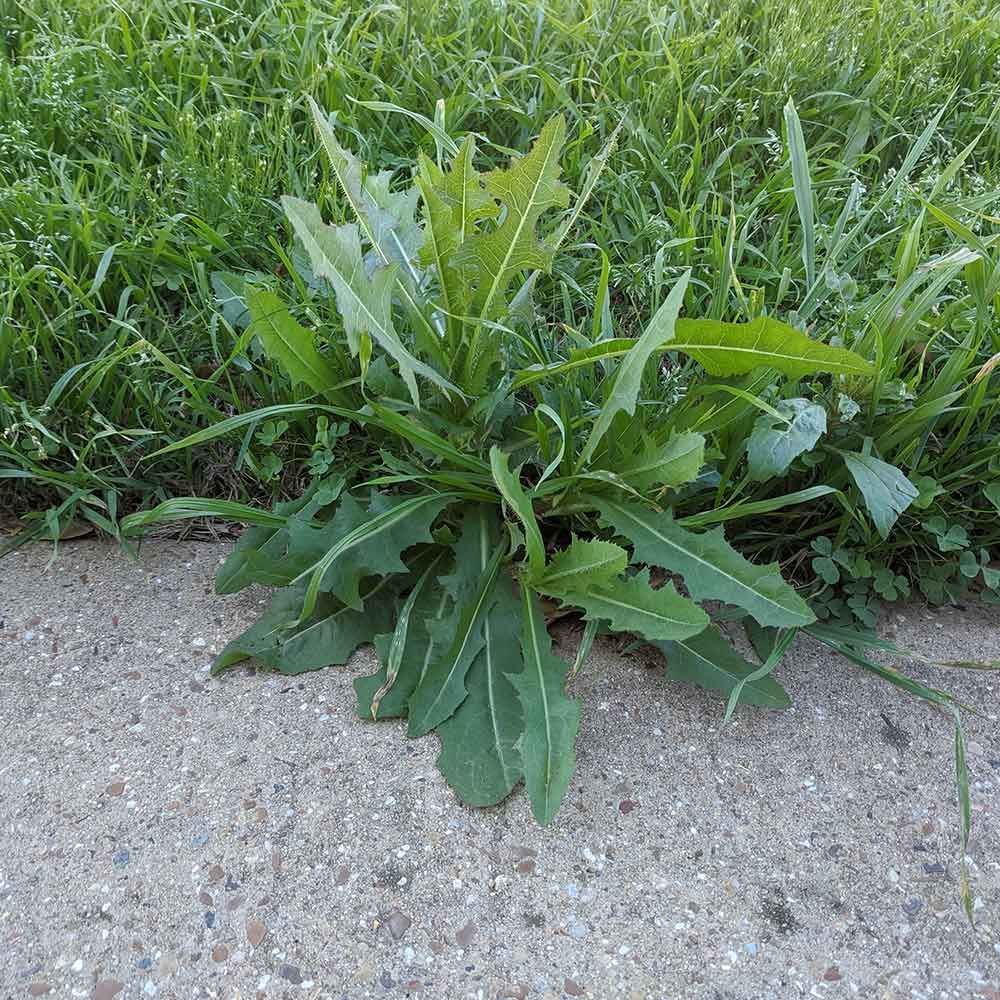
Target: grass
x: 143, y: 147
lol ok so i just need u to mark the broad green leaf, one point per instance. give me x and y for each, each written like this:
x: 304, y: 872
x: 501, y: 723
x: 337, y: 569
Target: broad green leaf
x: 583, y: 563
x: 672, y: 464
x: 230, y: 293
x: 387, y: 218
x: 454, y: 201
x: 327, y: 637
x: 886, y: 491
x: 442, y: 688
x: 479, y: 755
x: 709, y: 661
x: 551, y: 719
x: 526, y: 189
x: 736, y: 348
x: 355, y: 544
x: 288, y: 342
x: 461, y: 186
x: 628, y: 380
x: 992, y: 493
x: 431, y: 619
x: 725, y: 349
x: 268, y: 543
x: 513, y: 493
x: 365, y: 303
x: 441, y: 239
x: 630, y: 604
x: 774, y: 444
x: 711, y: 569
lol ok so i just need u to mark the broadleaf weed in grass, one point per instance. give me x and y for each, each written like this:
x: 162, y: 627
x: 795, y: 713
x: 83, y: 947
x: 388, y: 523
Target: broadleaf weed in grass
x: 482, y: 493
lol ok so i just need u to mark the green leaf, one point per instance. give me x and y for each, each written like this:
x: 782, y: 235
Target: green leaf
x: 263, y: 544
x: 221, y: 427
x: 725, y: 349
x: 579, y: 358
x: 365, y: 303
x: 774, y: 444
x: 709, y: 661
x: 712, y: 570
x: 752, y: 508
x: 286, y: 341
x: 672, y: 464
x: 442, y: 688
x: 230, y: 293
x: 551, y: 719
x: 583, y: 563
x: 479, y: 755
x: 327, y: 637
x: 513, y: 493
x: 400, y: 634
x: 453, y: 202
x: 802, y: 185
x: 992, y: 493
x: 736, y: 348
x: 886, y: 491
x: 355, y: 544
x: 387, y: 219
x: 628, y: 380
x: 528, y: 188
x: 431, y: 617
x: 630, y: 604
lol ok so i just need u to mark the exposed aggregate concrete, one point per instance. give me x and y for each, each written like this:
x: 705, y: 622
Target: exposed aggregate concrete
x: 165, y: 834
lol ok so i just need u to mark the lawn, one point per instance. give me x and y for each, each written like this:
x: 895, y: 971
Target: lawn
x: 145, y: 147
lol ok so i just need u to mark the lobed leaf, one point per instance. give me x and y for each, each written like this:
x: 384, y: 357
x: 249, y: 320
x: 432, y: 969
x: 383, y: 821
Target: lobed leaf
x: 354, y: 544
x: 288, y: 342
x: 365, y: 303
x: 282, y: 640
x: 711, y: 569
x: 631, y: 604
x: 431, y: 615
x: 583, y: 563
x: 672, y: 464
x: 442, y: 688
x: 526, y: 189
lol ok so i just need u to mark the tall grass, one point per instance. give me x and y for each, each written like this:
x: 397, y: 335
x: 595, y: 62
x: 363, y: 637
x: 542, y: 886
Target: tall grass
x: 143, y: 145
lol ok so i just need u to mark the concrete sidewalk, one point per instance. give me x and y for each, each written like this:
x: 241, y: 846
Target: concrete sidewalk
x: 166, y: 834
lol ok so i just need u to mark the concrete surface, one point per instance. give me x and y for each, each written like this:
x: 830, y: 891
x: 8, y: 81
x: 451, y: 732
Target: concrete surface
x: 164, y: 834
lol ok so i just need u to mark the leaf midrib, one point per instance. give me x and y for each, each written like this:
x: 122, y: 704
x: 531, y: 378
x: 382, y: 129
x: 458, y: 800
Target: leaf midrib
x: 699, y: 559
x: 524, y: 221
